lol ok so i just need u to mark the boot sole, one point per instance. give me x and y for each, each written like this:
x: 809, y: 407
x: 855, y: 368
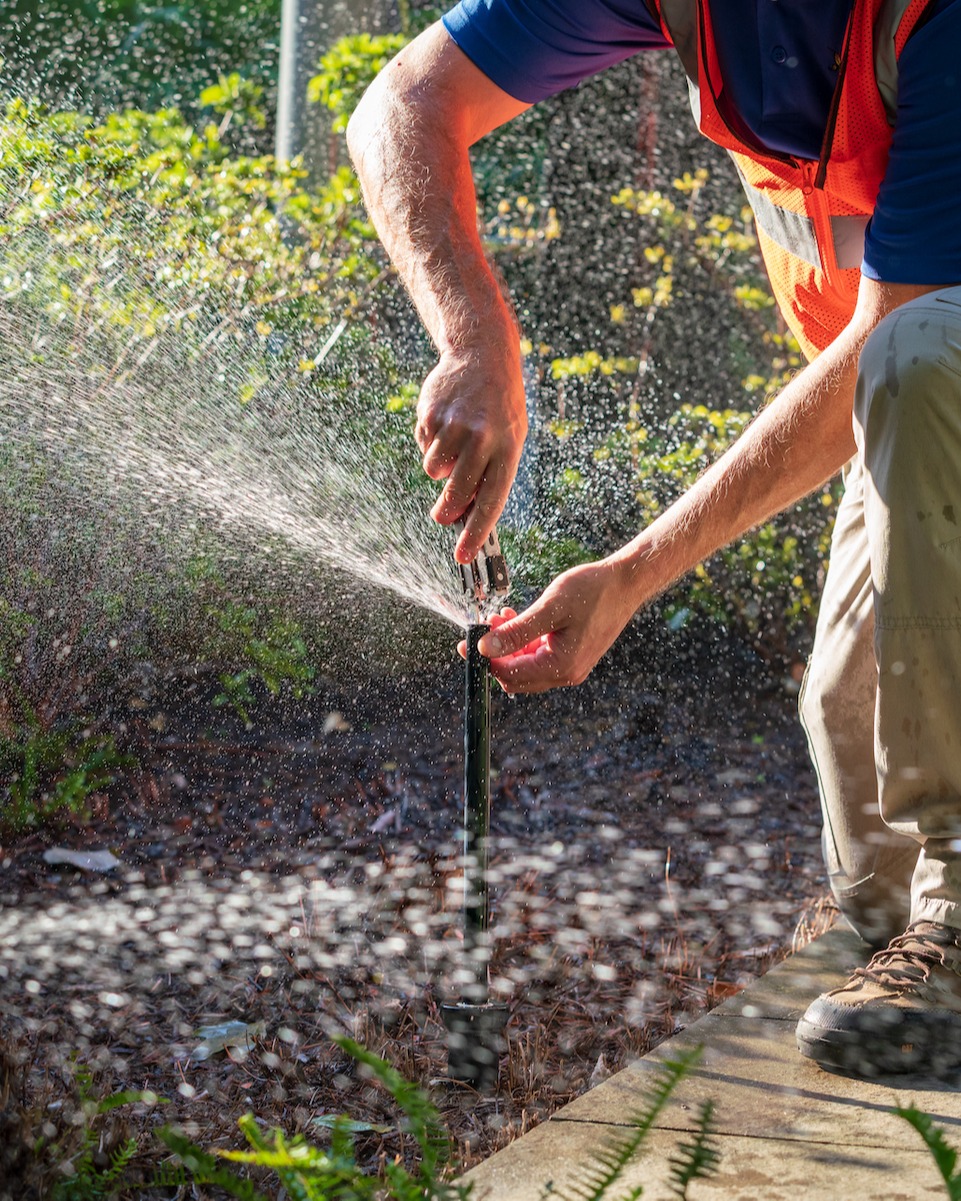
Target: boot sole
x: 909, y: 1048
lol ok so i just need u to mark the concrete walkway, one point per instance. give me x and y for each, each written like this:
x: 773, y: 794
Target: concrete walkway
x: 786, y: 1129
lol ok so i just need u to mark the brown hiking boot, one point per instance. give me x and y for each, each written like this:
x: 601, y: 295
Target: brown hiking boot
x: 901, y: 1013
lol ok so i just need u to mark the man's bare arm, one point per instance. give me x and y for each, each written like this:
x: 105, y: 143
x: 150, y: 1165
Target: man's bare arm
x: 409, y: 139
x: 798, y: 442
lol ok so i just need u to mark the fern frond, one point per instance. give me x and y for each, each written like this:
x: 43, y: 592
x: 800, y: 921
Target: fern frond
x: 169, y: 1176
x: 206, y: 1168
x: 306, y: 1172
x: 698, y: 1158
x: 422, y: 1117
x: 945, y: 1156
x: 606, y: 1166
x: 119, y: 1162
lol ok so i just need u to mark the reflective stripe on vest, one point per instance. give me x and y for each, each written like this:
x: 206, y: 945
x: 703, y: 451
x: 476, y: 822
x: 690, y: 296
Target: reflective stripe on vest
x: 794, y: 232
x: 811, y: 216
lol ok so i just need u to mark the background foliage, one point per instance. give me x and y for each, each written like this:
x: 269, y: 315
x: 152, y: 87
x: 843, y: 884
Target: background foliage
x: 138, y: 53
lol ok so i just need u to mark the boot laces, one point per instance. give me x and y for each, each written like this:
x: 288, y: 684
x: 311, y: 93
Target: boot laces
x: 907, y: 959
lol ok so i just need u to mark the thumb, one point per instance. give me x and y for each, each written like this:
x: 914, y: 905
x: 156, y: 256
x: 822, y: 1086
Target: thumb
x: 514, y: 635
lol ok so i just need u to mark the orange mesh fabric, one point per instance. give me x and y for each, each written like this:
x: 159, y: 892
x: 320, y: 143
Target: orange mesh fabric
x: 817, y: 303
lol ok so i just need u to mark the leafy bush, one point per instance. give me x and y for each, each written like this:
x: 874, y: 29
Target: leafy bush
x: 143, y: 223
x: 138, y: 53
x: 769, y: 578
x: 275, y: 652
x: 347, y: 70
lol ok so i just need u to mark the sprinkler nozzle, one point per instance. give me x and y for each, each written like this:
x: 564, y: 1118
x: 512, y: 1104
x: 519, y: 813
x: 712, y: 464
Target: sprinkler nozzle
x: 486, y: 574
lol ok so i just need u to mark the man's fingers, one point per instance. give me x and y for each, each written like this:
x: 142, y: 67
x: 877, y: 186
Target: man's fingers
x: 506, y: 614
x: 519, y: 633
x: 438, y: 463
x: 424, y: 434
x: 481, y: 502
x: 487, y: 507
x: 496, y: 619
x: 453, y: 502
x: 466, y: 489
x: 537, y: 668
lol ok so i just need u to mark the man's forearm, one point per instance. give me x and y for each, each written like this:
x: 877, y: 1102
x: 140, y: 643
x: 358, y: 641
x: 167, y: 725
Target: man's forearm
x: 410, y: 149
x: 798, y: 442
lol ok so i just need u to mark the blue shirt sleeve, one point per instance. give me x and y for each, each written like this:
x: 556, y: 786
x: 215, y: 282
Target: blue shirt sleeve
x: 534, y: 48
x: 914, y: 236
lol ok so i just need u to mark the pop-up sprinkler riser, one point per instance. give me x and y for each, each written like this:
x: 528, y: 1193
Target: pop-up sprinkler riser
x: 475, y: 1025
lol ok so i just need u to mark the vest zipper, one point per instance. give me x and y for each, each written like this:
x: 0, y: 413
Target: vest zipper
x: 816, y: 204
x: 828, y: 140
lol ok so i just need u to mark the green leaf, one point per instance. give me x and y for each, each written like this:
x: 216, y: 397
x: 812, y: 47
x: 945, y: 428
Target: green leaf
x: 945, y: 1156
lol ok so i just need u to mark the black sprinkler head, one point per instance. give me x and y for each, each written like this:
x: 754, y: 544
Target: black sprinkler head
x: 475, y: 1043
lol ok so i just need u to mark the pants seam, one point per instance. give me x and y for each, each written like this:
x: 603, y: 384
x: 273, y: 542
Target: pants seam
x: 918, y: 623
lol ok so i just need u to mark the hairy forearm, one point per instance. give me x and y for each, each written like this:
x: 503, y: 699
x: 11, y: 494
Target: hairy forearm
x: 410, y: 140
x: 411, y: 155
x: 795, y: 444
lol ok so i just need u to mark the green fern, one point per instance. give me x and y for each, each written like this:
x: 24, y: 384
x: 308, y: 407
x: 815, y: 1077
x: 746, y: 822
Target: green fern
x: 423, y: 1120
x: 606, y: 1166
x: 308, y: 1173
x: 206, y: 1168
x: 695, y: 1159
x: 945, y: 1156
x: 90, y: 1182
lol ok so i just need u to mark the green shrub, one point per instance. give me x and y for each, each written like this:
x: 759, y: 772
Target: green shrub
x: 137, y: 53
x: 275, y: 654
x: 770, y: 578
x: 348, y: 68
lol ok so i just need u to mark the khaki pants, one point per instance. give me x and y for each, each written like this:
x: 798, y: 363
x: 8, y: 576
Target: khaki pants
x: 881, y: 702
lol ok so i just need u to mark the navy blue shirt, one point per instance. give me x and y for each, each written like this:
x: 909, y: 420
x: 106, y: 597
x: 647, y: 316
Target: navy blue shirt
x: 777, y: 59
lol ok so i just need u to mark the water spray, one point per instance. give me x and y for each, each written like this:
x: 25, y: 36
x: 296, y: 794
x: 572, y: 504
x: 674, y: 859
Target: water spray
x: 475, y: 1024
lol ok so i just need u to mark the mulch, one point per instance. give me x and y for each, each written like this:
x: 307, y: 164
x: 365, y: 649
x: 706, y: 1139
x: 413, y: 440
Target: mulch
x: 655, y: 841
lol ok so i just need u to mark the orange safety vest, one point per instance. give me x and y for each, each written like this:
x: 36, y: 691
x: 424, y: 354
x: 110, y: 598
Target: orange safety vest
x: 810, y: 215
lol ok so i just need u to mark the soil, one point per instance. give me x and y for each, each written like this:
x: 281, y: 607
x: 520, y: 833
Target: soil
x: 655, y: 843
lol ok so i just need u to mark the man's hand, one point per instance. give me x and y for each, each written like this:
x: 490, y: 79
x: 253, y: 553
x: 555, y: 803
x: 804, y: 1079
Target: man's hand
x: 471, y: 425
x: 560, y: 638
